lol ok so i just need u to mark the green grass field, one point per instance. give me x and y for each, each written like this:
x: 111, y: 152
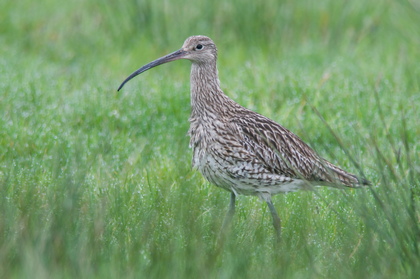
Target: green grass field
x: 98, y: 184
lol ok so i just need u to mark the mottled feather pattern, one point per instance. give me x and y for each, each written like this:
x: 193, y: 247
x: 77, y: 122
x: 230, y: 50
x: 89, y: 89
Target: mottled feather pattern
x: 251, y: 154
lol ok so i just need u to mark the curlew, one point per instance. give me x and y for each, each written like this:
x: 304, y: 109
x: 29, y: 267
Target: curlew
x: 240, y: 150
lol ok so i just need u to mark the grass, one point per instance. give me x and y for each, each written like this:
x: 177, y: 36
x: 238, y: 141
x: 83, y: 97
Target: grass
x: 96, y: 183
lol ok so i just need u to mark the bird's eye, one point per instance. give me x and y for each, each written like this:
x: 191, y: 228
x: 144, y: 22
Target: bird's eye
x: 199, y: 46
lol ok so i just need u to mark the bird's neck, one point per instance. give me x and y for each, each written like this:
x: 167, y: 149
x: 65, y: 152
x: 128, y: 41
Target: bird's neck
x: 206, y: 94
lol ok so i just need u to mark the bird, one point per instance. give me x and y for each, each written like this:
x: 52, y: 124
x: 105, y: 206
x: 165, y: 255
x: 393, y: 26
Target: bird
x: 240, y: 150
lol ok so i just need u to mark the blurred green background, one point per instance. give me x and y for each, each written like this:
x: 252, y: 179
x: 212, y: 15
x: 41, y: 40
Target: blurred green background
x: 96, y: 183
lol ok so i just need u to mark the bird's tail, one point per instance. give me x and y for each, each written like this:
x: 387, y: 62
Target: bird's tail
x: 346, y: 178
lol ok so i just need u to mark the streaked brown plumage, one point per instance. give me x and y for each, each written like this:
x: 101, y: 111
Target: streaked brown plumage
x: 240, y: 150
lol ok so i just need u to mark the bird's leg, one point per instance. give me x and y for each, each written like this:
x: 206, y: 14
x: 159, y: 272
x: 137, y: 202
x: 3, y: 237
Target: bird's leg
x: 226, y: 226
x: 230, y: 213
x: 276, y: 219
x: 226, y: 222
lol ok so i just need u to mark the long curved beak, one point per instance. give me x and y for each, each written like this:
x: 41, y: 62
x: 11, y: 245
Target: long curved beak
x: 179, y: 54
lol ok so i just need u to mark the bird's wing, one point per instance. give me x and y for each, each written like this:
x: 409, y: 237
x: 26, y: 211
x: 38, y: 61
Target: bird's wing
x: 282, y: 152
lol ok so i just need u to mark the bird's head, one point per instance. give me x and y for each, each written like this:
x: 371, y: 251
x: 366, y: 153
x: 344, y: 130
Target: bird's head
x: 197, y: 49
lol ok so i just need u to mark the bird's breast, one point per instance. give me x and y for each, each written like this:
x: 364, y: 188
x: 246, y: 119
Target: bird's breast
x: 201, y: 134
